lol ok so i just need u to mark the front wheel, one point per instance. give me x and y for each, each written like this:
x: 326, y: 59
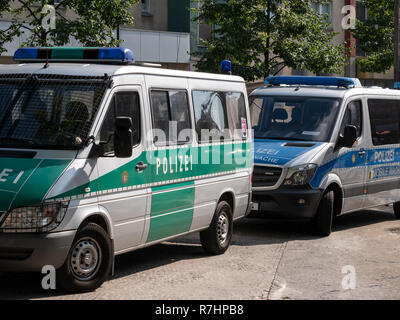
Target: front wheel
x: 89, y: 260
x: 325, y: 212
x: 217, y: 238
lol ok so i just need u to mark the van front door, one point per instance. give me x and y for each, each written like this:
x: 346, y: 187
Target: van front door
x: 351, y: 161
x: 123, y: 181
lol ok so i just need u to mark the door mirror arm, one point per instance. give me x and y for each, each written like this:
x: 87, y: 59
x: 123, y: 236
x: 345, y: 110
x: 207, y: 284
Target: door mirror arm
x: 347, y: 139
x: 123, y: 137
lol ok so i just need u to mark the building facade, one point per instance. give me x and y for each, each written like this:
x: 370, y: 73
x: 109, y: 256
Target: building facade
x: 154, y: 38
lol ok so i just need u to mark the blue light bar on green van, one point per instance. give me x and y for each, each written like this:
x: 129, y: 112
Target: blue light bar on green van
x: 313, y: 81
x: 99, y: 55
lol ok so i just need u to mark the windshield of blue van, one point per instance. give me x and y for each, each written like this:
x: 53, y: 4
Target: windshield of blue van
x: 47, y: 113
x: 293, y: 118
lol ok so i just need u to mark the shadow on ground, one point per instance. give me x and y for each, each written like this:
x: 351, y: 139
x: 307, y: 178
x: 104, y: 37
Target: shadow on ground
x: 247, y: 232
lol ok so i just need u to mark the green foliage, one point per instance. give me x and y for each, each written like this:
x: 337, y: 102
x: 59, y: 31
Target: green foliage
x: 261, y: 37
x: 375, y: 36
x: 92, y: 23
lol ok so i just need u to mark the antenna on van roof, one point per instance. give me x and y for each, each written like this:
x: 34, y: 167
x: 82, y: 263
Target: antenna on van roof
x: 46, y: 65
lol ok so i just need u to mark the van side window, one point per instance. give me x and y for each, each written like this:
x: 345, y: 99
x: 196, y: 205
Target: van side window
x: 171, y: 117
x: 237, y: 117
x: 353, y: 117
x: 213, y: 121
x: 385, y: 121
x: 122, y: 104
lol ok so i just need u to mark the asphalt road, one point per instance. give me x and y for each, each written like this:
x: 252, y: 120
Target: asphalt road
x: 268, y: 259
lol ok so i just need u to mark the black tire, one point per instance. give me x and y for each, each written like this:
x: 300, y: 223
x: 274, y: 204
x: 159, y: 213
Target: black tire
x: 396, y: 209
x: 217, y: 238
x: 325, y: 213
x: 91, y: 239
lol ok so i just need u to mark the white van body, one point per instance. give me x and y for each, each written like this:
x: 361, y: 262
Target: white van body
x: 137, y: 202
x: 362, y: 176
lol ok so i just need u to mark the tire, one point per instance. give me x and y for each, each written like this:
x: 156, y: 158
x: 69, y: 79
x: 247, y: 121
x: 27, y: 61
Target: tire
x: 93, y: 243
x: 217, y: 238
x: 325, y: 213
x: 396, y: 209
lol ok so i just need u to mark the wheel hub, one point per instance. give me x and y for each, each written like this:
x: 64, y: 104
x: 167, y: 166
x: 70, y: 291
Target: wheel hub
x: 86, y: 259
x: 222, y: 228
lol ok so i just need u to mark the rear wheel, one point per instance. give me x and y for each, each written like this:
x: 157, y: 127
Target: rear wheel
x: 396, y: 209
x: 89, y: 260
x: 217, y: 238
x: 325, y: 213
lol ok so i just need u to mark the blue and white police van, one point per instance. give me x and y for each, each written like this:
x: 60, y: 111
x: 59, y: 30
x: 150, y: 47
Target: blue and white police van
x: 324, y: 146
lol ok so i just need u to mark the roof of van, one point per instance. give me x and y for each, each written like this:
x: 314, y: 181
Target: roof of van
x: 327, y: 92
x: 79, y: 69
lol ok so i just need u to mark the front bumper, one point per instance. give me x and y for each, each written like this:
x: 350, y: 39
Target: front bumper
x: 288, y: 202
x: 30, y: 252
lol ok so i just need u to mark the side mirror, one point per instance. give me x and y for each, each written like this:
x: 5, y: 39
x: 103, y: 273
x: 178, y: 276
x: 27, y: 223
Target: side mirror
x: 123, y: 143
x: 349, y: 137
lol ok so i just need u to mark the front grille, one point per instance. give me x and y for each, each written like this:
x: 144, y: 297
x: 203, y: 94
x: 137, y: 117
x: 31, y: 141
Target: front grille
x: 266, y: 176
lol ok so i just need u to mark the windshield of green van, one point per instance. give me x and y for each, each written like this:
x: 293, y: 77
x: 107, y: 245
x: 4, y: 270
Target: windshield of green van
x: 293, y: 118
x: 47, y: 113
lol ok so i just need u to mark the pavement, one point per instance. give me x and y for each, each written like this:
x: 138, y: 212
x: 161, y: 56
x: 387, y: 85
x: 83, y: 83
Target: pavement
x: 268, y: 259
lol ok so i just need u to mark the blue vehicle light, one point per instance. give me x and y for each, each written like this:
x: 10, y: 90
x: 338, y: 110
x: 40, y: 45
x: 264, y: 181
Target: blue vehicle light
x: 313, y: 81
x: 226, y: 66
x: 121, y: 54
x: 99, y: 55
x: 26, y: 54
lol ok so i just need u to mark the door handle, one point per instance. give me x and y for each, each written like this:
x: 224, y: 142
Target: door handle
x: 362, y: 153
x: 140, y: 167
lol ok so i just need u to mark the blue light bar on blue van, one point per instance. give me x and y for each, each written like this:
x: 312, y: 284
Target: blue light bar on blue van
x: 313, y: 81
x: 99, y: 55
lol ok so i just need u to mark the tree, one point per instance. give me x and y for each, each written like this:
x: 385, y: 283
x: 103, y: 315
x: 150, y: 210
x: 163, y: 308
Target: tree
x: 261, y: 37
x: 375, y: 36
x: 92, y: 23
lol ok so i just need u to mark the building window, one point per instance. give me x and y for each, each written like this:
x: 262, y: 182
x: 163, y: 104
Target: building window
x: 324, y: 9
x: 146, y: 6
x: 203, y: 31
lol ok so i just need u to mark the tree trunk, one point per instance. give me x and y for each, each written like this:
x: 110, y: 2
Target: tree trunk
x: 268, y: 43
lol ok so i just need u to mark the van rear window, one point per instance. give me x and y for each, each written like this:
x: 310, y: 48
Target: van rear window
x: 220, y: 115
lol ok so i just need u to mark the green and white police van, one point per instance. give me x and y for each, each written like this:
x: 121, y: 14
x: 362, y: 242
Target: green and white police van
x: 324, y: 146
x: 99, y: 157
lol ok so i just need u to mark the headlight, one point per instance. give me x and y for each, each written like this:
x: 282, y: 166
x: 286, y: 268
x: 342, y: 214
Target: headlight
x: 300, y: 175
x: 40, y: 218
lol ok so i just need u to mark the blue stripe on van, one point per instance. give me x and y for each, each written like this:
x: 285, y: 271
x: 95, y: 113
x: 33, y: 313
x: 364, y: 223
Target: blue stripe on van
x: 275, y: 152
x: 351, y: 159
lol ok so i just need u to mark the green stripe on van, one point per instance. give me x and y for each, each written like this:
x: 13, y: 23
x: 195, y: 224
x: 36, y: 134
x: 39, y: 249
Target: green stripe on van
x: 39, y: 183
x: 171, y: 210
